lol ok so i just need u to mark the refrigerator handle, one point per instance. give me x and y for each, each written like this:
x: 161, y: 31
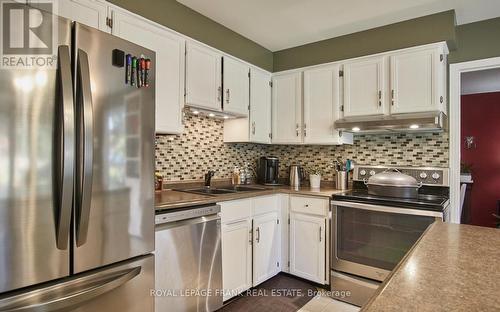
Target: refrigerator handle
x: 65, y: 154
x: 67, y: 295
x: 84, y: 96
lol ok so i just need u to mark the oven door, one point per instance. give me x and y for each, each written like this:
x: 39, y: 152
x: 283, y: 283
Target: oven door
x: 369, y: 240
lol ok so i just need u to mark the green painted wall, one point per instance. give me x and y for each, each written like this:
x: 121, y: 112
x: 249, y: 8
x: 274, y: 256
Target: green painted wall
x: 422, y: 30
x: 476, y: 41
x: 182, y: 19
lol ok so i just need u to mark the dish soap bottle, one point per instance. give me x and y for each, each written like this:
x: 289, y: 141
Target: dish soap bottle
x: 158, y: 181
x: 235, y: 177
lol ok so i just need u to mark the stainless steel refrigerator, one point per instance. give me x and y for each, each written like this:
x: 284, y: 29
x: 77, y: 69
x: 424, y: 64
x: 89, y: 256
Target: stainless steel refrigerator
x: 76, y: 180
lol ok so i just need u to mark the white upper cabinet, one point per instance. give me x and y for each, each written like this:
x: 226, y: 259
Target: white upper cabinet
x: 417, y: 81
x: 266, y: 248
x: 203, y: 77
x: 321, y: 106
x: 364, y: 87
x: 260, y: 106
x: 170, y: 60
x: 257, y: 127
x: 236, y: 87
x: 89, y: 12
x: 287, y: 108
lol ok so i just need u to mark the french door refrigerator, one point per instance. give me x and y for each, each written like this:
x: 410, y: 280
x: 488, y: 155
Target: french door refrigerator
x: 76, y: 179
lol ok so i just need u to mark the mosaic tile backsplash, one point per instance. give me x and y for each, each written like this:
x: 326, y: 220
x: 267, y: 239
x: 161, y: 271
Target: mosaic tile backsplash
x: 200, y: 148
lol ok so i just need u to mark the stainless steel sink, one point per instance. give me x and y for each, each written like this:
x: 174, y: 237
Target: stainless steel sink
x: 209, y: 191
x: 223, y: 190
x: 240, y: 188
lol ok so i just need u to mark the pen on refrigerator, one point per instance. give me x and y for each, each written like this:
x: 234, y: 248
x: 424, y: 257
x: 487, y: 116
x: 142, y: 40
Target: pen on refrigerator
x: 133, y: 72
x: 139, y: 70
x: 146, y: 74
x: 143, y: 71
x: 128, y: 63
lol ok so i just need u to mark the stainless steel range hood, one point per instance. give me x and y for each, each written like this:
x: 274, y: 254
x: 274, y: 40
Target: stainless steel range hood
x: 435, y: 121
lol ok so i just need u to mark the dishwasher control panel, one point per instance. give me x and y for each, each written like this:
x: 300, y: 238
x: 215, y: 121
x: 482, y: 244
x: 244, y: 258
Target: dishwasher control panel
x: 186, y: 213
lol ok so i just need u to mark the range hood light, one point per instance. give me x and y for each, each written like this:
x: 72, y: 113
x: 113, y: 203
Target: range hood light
x: 195, y: 112
x: 211, y: 115
x: 226, y: 117
x: 427, y: 121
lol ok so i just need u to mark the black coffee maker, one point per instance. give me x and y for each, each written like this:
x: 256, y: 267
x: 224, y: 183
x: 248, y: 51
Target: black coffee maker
x: 268, y: 171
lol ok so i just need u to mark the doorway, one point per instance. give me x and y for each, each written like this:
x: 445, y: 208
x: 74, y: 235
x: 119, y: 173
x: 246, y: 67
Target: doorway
x: 475, y: 142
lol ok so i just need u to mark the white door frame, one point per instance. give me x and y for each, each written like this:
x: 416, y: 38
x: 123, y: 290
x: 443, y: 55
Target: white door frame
x: 455, y: 141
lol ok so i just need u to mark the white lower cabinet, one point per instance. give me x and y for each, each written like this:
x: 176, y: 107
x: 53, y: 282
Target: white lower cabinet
x: 258, y: 243
x: 266, y: 247
x: 237, y: 257
x: 307, y: 247
x: 309, y: 238
x: 251, y: 242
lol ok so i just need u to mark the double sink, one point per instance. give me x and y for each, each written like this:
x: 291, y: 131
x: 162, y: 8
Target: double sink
x: 223, y: 190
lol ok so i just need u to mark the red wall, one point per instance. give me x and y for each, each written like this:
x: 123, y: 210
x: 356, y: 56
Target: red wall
x: 481, y: 119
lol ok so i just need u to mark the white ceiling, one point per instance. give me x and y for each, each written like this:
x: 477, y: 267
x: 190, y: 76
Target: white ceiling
x: 483, y: 81
x: 281, y: 24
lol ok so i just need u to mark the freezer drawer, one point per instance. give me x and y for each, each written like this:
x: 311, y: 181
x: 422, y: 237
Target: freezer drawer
x: 123, y: 287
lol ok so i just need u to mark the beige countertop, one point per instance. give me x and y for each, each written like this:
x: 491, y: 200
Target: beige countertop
x: 170, y: 199
x: 452, y: 267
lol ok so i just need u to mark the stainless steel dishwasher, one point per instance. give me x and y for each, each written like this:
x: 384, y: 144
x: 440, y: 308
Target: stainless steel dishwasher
x: 188, y: 261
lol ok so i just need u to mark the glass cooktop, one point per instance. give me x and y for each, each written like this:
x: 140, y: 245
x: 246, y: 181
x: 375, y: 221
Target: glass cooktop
x: 423, y: 201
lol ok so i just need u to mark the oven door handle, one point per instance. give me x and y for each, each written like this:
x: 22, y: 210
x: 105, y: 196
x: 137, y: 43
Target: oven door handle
x: 388, y: 209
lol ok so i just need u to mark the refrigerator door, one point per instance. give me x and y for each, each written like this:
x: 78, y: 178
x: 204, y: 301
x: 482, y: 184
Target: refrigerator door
x: 36, y: 169
x: 114, y: 192
x: 124, y: 287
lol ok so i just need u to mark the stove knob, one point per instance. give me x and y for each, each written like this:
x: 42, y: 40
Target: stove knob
x: 362, y: 172
x: 436, y: 176
x: 372, y: 172
x: 423, y: 175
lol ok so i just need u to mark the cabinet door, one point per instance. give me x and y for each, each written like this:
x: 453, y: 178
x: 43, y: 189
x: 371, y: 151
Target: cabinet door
x: 266, y: 247
x: 236, y: 87
x: 364, y: 87
x: 260, y: 106
x: 203, y: 77
x: 321, y: 105
x: 414, y: 82
x: 236, y: 257
x: 169, y: 49
x: 307, y: 247
x: 287, y: 108
x: 89, y: 12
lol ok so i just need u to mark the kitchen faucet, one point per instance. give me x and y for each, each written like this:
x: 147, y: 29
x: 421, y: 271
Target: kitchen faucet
x: 208, y: 177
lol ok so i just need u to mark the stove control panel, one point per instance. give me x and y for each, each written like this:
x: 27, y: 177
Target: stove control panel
x: 426, y: 175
